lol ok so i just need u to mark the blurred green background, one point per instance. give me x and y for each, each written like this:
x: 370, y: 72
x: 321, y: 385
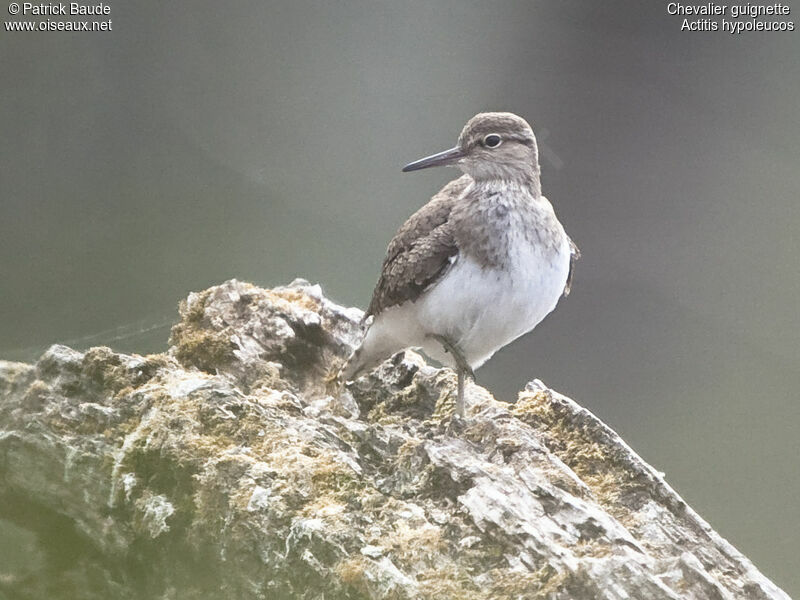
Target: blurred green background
x: 200, y: 141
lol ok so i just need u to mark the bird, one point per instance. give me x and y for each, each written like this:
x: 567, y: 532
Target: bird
x: 478, y: 266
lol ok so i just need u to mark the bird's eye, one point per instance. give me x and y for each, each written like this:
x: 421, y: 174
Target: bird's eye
x: 492, y: 140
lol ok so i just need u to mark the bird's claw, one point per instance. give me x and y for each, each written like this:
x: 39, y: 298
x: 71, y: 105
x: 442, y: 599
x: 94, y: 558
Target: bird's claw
x: 455, y: 425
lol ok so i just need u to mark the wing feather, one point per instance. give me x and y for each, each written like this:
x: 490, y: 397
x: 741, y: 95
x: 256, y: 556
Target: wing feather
x: 574, y: 255
x: 420, y: 253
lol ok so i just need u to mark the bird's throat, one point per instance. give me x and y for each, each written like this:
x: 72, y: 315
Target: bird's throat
x: 527, y: 183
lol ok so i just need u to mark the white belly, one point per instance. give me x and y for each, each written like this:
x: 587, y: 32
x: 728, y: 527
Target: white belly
x: 482, y: 310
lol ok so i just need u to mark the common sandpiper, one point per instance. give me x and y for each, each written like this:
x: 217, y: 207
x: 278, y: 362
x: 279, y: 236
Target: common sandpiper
x: 479, y: 265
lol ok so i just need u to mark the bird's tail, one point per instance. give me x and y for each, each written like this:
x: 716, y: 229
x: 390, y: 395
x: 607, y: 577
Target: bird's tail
x: 353, y: 366
x: 341, y: 373
x: 374, y: 349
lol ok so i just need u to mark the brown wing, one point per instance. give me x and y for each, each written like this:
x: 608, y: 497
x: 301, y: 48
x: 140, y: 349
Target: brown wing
x: 420, y: 252
x: 574, y: 255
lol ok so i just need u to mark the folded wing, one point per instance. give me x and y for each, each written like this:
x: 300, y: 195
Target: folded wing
x: 420, y: 253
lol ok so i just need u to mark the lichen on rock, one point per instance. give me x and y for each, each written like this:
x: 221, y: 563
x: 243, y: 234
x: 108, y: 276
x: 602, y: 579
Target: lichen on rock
x: 227, y: 468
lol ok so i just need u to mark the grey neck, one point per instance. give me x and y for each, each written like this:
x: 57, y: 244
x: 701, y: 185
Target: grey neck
x: 527, y: 181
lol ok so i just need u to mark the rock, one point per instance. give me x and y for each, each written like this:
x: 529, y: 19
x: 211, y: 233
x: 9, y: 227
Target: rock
x: 225, y: 468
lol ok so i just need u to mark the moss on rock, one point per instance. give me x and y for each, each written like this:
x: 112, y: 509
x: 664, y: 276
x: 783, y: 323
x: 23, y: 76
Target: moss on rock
x: 225, y: 469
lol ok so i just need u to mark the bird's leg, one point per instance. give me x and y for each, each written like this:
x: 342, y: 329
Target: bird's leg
x: 462, y: 369
x: 458, y: 356
x: 460, y: 396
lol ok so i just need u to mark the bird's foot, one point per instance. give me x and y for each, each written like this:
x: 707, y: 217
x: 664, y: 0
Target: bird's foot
x: 455, y: 425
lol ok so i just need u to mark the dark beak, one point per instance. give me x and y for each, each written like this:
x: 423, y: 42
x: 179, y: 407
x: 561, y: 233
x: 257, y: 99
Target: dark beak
x: 441, y: 159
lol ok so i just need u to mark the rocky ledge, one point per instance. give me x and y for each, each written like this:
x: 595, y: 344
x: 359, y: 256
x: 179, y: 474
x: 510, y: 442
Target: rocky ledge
x: 224, y: 468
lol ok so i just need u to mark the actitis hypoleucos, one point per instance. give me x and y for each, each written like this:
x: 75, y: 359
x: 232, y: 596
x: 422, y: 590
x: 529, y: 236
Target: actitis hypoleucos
x: 479, y: 265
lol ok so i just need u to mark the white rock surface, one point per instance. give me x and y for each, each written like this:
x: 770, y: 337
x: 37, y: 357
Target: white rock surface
x: 227, y: 469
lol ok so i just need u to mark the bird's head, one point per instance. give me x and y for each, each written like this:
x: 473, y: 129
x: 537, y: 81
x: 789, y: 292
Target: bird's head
x: 492, y: 145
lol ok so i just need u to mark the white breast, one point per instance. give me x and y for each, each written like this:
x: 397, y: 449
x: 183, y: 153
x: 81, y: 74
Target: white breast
x: 483, y: 309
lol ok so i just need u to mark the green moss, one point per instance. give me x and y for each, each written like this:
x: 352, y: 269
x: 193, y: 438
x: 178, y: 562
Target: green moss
x: 267, y: 376
x: 578, y: 443
x: 14, y: 376
x: 296, y: 297
x: 160, y: 474
x: 353, y: 573
x: 194, y: 343
x: 153, y: 364
x: 206, y: 350
x: 195, y: 313
x: 103, y: 370
x: 333, y: 478
x: 456, y: 583
x: 539, y: 585
x: 449, y: 583
x: 447, y: 384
